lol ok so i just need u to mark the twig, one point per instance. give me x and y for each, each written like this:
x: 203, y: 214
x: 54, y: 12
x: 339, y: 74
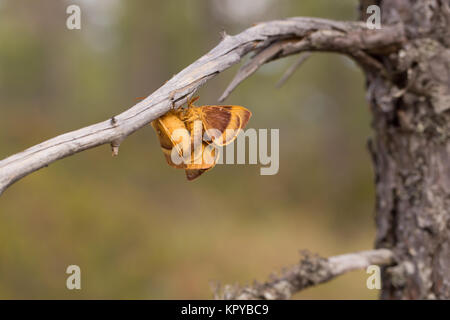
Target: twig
x: 289, y: 72
x: 254, y: 64
x: 310, y: 271
x: 311, y: 34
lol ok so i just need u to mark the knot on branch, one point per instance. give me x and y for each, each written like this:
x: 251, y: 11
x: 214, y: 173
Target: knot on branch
x: 115, y: 144
x: 399, y: 274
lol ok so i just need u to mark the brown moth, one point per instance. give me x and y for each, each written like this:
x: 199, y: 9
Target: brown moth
x: 190, y: 135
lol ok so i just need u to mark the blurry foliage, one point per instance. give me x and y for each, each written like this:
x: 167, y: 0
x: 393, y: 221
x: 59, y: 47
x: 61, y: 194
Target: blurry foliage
x: 135, y: 226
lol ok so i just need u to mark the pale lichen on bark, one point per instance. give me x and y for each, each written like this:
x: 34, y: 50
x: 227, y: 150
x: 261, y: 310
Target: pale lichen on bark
x: 411, y: 151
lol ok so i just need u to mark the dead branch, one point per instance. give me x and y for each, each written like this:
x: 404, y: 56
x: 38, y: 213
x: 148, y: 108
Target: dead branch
x: 289, y: 72
x: 310, y: 271
x: 268, y: 40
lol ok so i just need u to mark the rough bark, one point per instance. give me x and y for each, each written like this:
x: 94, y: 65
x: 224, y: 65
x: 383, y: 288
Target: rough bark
x: 411, y: 150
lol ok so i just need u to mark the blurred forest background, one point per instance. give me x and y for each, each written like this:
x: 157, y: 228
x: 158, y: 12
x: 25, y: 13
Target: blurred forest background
x: 136, y: 227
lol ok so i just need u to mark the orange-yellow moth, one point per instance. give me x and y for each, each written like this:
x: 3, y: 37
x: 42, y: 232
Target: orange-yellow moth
x: 189, y: 136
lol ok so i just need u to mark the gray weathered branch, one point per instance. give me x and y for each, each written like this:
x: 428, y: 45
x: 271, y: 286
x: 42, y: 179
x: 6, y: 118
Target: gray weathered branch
x: 269, y: 40
x: 310, y: 271
x: 289, y: 72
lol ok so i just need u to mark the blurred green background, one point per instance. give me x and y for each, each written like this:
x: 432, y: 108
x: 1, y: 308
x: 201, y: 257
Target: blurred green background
x: 134, y: 225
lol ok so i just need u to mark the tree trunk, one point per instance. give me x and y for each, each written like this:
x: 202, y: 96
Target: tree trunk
x: 411, y: 150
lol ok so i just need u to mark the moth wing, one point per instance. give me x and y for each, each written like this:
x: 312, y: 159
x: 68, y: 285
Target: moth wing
x: 164, y: 139
x: 195, y: 128
x: 164, y: 127
x: 194, y: 170
x: 228, y: 120
x: 193, y: 174
x: 207, y: 158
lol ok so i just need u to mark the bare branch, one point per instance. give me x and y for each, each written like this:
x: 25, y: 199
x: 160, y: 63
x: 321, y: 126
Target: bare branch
x: 357, y: 42
x: 289, y: 72
x: 311, y: 270
x: 287, y: 36
x: 248, y: 69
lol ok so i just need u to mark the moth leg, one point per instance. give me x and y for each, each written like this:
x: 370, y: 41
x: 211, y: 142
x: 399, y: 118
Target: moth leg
x: 191, y: 102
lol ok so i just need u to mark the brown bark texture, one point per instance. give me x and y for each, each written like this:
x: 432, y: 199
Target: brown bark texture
x: 411, y: 149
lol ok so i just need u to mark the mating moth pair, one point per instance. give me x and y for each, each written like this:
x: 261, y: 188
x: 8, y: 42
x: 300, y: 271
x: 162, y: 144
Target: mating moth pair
x: 178, y: 130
